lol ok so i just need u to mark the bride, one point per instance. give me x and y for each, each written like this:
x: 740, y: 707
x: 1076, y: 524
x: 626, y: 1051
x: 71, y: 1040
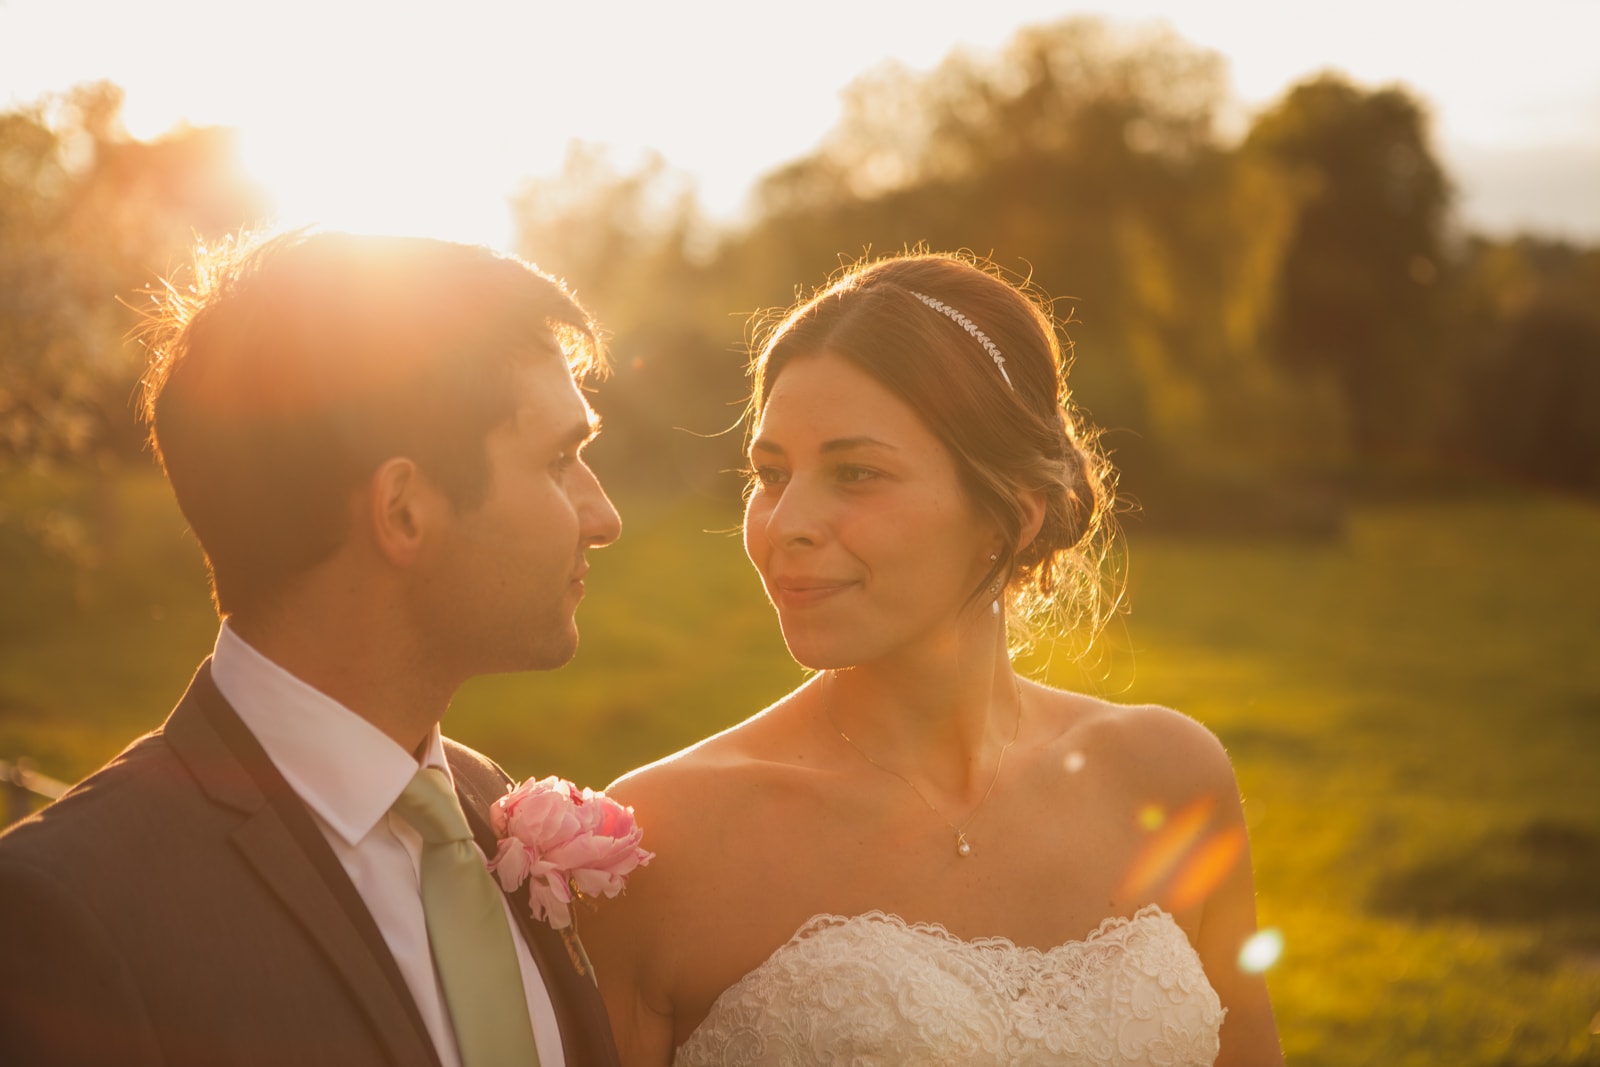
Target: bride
x: 919, y: 856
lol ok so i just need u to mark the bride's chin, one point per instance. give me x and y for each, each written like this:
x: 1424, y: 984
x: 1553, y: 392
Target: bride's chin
x: 819, y: 655
x: 825, y: 664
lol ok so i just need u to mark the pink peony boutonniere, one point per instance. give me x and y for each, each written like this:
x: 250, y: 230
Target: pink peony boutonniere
x: 563, y: 842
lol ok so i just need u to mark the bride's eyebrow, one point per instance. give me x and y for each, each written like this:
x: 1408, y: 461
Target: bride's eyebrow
x: 837, y: 444
x: 844, y: 444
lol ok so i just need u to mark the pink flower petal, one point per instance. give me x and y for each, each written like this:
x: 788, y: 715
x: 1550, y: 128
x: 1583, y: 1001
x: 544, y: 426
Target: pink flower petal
x: 510, y: 864
x: 564, y: 837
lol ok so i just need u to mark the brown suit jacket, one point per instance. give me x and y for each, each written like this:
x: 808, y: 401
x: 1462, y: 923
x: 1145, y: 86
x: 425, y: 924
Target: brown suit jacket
x: 181, y: 908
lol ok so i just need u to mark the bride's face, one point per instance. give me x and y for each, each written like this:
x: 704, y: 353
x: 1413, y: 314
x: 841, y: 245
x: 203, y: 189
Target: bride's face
x: 858, y: 523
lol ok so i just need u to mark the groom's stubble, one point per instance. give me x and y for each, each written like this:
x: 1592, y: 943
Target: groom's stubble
x: 501, y: 590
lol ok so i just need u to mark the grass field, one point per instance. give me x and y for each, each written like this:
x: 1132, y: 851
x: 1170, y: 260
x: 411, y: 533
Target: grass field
x: 1413, y: 710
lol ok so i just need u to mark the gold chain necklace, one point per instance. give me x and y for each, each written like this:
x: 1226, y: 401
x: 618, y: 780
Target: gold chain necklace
x: 963, y: 846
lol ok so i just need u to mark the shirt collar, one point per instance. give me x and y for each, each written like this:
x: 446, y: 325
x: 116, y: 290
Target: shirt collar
x: 344, y: 768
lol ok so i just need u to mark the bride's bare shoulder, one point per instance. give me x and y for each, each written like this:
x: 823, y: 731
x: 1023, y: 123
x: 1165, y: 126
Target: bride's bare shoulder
x: 709, y: 774
x: 1148, y: 746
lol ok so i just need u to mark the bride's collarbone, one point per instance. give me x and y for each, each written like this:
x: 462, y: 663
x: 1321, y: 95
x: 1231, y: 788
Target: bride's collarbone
x: 842, y: 824
x: 1002, y: 889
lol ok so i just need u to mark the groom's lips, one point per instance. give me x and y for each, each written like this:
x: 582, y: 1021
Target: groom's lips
x: 806, y: 592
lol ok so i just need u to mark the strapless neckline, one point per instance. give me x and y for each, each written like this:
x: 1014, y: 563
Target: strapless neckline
x: 873, y: 988
x: 937, y: 930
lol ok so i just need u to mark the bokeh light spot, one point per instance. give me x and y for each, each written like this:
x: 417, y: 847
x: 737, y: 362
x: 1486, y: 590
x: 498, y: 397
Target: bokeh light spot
x: 1152, y: 817
x: 1261, y: 951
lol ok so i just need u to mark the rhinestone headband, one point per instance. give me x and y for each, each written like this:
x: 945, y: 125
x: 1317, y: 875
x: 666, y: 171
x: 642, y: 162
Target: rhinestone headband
x: 972, y: 328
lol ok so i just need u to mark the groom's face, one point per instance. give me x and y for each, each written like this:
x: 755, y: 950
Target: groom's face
x: 505, y: 578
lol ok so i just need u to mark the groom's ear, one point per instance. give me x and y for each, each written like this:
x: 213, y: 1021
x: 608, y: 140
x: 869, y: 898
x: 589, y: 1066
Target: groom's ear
x: 400, y: 504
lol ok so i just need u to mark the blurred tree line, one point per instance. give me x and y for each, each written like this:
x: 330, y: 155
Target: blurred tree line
x: 90, y: 220
x: 1260, y: 321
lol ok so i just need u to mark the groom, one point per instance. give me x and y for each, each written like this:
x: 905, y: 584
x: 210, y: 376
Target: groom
x: 377, y: 442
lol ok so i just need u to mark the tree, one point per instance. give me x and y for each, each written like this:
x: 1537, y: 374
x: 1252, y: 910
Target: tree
x: 632, y: 245
x: 1084, y: 157
x: 88, y: 217
x: 1356, y: 299
x: 1529, y: 339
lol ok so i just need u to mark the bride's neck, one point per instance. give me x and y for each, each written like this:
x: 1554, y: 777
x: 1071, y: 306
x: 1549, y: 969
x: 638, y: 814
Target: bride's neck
x: 937, y: 718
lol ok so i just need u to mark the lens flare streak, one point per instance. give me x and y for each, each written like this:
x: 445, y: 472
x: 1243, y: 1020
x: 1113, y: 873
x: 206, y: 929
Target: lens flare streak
x: 1212, y: 861
x: 1167, y: 847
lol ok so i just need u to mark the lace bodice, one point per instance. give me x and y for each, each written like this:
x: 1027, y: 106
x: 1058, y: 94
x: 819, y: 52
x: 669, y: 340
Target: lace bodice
x: 873, y: 989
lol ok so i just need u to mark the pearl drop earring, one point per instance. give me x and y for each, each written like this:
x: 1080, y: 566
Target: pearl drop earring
x: 994, y: 590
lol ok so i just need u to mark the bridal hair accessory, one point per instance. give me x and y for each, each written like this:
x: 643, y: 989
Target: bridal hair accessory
x: 963, y: 846
x: 565, y: 842
x: 972, y: 328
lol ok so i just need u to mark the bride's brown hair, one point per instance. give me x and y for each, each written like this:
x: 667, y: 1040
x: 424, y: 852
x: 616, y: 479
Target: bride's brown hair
x: 1011, y: 427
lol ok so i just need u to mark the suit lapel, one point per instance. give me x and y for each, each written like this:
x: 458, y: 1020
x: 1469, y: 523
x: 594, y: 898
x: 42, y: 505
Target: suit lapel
x: 282, y: 843
x: 580, y: 1013
x: 279, y: 859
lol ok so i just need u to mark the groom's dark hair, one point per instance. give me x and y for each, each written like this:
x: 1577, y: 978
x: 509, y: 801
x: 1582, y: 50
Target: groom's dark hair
x: 292, y: 367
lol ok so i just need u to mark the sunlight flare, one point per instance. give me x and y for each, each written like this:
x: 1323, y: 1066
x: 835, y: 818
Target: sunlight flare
x: 391, y: 183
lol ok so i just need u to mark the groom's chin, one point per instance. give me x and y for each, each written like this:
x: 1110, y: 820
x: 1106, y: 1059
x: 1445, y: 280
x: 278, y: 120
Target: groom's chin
x: 542, y: 651
x: 553, y: 650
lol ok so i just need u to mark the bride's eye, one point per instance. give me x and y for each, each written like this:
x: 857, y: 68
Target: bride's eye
x: 851, y: 473
x: 765, y: 477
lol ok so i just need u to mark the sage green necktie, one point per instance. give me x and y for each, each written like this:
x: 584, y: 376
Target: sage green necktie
x: 467, y: 929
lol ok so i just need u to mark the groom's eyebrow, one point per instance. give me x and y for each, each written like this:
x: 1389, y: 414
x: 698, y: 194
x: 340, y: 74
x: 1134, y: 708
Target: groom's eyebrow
x: 580, y: 433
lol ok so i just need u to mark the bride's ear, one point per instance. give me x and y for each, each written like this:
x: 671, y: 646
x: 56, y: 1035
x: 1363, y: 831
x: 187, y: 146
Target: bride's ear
x: 400, y: 507
x: 1032, y: 505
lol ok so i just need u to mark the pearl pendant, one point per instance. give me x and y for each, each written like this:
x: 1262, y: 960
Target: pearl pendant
x: 963, y: 848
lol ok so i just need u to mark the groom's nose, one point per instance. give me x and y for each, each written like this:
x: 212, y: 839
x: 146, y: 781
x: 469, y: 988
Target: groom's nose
x: 598, y: 521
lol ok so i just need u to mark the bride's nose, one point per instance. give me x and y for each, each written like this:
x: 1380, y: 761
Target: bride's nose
x: 797, y: 518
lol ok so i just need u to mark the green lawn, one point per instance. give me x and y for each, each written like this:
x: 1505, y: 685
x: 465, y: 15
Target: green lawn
x: 1413, y: 710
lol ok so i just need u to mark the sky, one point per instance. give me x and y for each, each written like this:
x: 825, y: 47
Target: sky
x: 423, y: 117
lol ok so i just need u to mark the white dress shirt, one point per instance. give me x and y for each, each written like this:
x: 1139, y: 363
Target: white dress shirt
x: 349, y: 773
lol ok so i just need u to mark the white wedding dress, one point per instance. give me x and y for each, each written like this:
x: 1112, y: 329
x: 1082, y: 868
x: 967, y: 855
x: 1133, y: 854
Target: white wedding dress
x: 873, y: 989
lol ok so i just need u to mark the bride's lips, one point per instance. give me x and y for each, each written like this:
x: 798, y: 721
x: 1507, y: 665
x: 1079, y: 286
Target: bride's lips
x: 806, y: 592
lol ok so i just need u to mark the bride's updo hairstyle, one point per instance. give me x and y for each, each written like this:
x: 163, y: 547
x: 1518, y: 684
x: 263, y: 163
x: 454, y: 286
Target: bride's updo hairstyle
x: 980, y: 362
